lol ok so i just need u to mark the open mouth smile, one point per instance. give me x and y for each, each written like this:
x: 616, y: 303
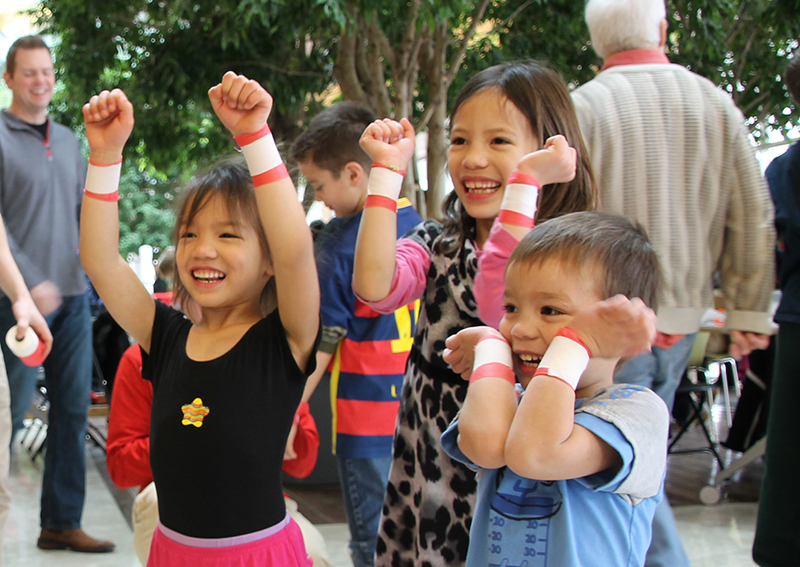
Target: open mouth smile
x: 478, y: 190
x: 207, y: 276
x: 528, y: 363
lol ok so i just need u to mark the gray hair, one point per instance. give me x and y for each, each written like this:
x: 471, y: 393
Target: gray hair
x: 622, y: 25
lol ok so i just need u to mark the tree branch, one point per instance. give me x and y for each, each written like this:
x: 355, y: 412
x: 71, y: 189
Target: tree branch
x: 458, y: 56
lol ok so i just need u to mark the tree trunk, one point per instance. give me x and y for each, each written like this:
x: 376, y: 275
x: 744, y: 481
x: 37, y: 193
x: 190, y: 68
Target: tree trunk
x: 437, y: 161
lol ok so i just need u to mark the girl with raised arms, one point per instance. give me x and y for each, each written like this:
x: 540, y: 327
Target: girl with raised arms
x: 227, y: 383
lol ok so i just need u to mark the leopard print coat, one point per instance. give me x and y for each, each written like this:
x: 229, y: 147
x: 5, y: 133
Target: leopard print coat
x: 430, y: 498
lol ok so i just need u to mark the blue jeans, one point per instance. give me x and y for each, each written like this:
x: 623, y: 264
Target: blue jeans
x: 68, y: 377
x: 363, y: 486
x: 661, y: 371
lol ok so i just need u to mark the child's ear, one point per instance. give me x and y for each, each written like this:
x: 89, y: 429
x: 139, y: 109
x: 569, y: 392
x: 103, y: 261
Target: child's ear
x: 355, y: 173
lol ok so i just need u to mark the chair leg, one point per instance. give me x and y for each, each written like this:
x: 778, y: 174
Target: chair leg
x: 696, y: 415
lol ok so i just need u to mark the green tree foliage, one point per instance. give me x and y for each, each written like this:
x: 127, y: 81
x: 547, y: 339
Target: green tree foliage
x: 401, y: 57
x: 740, y: 45
x: 146, y: 212
x: 165, y: 56
x: 743, y: 47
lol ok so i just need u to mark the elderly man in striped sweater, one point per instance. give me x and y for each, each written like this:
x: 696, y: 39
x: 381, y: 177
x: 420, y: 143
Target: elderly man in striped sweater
x: 670, y: 150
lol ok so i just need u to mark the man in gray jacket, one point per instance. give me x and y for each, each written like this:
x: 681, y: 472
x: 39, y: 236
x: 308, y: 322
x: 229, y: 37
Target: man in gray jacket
x: 670, y: 150
x: 42, y: 174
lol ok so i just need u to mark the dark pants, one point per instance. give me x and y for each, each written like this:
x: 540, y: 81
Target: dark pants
x: 777, y: 541
x: 68, y: 377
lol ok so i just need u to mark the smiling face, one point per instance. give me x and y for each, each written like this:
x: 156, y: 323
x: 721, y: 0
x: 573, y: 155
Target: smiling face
x: 220, y: 260
x: 32, y: 84
x: 343, y: 195
x: 488, y: 137
x: 540, y: 299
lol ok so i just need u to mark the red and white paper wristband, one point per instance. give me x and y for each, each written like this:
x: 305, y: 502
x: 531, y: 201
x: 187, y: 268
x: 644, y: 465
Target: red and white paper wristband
x: 262, y: 156
x: 519, y: 200
x: 383, y: 188
x: 566, y: 358
x: 493, y: 360
x: 102, y: 181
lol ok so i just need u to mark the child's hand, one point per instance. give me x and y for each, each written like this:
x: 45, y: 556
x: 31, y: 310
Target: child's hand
x: 617, y: 327
x: 241, y: 104
x: 460, y: 351
x: 555, y: 163
x: 389, y: 142
x: 109, y: 121
x: 289, y: 454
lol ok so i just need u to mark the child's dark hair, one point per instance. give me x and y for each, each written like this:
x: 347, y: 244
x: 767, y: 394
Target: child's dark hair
x: 231, y: 181
x: 331, y: 139
x: 542, y: 96
x: 621, y: 250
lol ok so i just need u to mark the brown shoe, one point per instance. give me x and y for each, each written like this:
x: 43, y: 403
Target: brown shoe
x: 76, y: 540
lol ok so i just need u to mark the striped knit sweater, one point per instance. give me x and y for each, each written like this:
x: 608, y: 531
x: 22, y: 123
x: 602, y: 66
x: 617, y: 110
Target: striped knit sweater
x: 670, y: 150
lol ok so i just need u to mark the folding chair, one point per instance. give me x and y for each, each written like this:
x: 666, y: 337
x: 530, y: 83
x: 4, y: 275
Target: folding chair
x: 698, y: 389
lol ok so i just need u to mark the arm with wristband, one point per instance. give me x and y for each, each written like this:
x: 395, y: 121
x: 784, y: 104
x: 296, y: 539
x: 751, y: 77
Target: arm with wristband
x: 554, y: 163
x: 544, y: 442
x: 491, y: 402
x: 539, y: 438
x: 243, y: 107
x: 109, y: 121
x: 391, y: 145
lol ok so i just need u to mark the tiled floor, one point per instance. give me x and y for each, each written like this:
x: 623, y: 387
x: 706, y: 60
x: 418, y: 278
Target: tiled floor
x: 714, y: 536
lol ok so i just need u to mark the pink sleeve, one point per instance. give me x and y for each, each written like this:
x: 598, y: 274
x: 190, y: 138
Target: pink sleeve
x: 410, y: 277
x: 490, y: 279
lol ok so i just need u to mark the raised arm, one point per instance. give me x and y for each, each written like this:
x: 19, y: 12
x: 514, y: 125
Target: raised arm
x: 390, y: 144
x: 109, y: 121
x: 243, y: 106
x: 555, y: 163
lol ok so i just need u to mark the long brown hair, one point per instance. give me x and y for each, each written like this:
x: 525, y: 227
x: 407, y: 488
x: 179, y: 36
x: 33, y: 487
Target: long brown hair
x: 231, y: 181
x: 542, y: 96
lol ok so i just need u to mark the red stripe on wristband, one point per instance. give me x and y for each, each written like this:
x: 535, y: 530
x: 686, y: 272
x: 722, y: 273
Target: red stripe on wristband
x: 105, y: 164
x: 381, y: 201
x: 519, y: 177
x: 103, y: 196
x: 572, y: 335
x: 493, y: 370
x: 244, y: 139
x: 547, y: 372
x: 402, y: 172
x: 515, y: 218
x: 275, y: 174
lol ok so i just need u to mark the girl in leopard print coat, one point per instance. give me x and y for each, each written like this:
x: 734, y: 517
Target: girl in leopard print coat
x: 502, y: 114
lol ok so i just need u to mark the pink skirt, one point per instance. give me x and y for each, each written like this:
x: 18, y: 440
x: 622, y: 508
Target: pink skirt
x: 281, y: 546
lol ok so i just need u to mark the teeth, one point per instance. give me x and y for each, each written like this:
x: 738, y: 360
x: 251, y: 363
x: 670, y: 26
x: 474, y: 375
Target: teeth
x: 482, y: 186
x: 529, y: 358
x: 208, y: 275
